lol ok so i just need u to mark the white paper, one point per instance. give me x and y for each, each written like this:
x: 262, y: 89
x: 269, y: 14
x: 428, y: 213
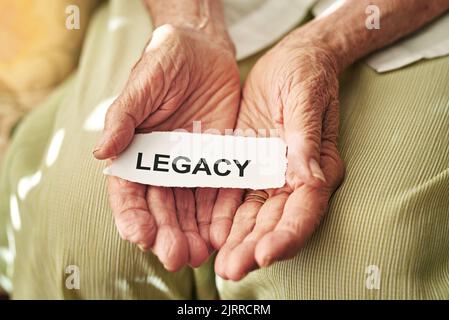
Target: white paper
x: 181, y: 159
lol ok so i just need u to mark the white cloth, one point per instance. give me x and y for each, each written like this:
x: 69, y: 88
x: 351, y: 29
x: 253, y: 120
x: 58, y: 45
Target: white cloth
x: 257, y: 24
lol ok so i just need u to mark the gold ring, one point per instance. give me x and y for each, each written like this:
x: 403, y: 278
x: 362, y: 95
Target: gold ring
x: 256, y: 195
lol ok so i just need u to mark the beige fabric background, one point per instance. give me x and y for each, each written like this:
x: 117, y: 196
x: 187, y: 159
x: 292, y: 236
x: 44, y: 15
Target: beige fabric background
x: 37, y: 52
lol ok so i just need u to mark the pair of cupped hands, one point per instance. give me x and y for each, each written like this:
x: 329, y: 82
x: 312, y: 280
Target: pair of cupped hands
x: 184, y: 76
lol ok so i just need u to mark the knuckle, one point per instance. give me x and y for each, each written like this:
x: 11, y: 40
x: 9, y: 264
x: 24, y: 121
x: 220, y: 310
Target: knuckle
x: 204, y: 222
x: 166, y: 28
x: 291, y: 226
x: 244, y: 219
x: 218, y: 219
x: 293, y: 179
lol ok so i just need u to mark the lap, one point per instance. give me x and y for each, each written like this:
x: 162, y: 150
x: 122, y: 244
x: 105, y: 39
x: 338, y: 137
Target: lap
x: 390, y: 212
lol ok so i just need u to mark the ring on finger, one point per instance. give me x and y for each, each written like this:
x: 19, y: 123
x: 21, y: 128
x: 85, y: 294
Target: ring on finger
x: 256, y: 195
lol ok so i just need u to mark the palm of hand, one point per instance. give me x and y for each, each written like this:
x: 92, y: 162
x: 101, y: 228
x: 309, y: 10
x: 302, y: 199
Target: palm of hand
x: 277, y: 229
x: 181, y: 78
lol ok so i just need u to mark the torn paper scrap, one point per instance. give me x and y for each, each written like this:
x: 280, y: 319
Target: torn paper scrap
x: 181, y: 159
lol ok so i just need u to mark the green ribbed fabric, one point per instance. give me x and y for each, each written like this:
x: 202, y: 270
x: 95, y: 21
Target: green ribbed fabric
x: 392, y: 211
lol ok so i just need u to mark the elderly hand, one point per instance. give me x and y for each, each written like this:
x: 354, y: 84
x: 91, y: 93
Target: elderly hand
x: 294, y: 88
x: 184, y: 75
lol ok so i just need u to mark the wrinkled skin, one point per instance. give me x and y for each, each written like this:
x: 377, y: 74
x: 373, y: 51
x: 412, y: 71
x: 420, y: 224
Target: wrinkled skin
x: 183, y: 76
x: 293, y: 88
x: 186, y: 75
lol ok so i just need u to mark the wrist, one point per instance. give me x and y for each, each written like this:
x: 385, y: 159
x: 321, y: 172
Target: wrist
x: 220, y: 39
x: 317, y: 49
x: 219, y: 35
x: 331, y: 45
x: 200, y: 16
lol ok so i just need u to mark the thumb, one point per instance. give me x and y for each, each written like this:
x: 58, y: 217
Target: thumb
x: 128, y: 111
x: 119, y: 128
x: 302, y: 133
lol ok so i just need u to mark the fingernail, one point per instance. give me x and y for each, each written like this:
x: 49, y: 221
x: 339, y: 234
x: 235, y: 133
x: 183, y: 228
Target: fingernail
x: 99, y: 145
x: 316, y: 170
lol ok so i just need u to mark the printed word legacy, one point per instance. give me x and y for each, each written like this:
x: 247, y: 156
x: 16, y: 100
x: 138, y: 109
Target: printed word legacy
x: 184, y: 165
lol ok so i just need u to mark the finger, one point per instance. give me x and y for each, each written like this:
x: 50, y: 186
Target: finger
x: 302, y: 213
x: 170, y: 245
x: 139, y: 98
x: 266, y: 221
x: 204, y: 201
x: 267, y: 218
x: 244, y: 221
x: 132, y: 217
x: 303, y: 117
x: 305, y: 208
x: 225, y: 207
x: 185, y: 208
